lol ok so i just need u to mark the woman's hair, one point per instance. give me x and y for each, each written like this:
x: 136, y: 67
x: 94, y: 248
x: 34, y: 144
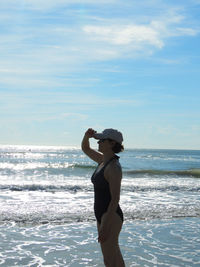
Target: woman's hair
x: 118, y: 148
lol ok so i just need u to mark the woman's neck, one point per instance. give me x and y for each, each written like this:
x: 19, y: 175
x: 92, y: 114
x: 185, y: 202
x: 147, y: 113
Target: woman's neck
x: 107, y: 156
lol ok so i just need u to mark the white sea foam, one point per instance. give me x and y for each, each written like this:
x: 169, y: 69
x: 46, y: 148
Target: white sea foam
x: 39, y: 184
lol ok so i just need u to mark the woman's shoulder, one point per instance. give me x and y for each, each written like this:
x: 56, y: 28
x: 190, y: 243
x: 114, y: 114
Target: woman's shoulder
x: 113, y: 171
x: 114, y: 165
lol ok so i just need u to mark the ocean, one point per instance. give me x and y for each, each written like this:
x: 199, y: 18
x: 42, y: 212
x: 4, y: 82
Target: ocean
x: 46, y: 207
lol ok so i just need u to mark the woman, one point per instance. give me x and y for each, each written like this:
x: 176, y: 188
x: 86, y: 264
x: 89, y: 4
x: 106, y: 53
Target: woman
x: 107, y: 182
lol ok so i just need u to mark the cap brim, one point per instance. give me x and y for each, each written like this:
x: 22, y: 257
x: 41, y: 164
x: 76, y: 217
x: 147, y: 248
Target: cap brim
x: 98, y: 136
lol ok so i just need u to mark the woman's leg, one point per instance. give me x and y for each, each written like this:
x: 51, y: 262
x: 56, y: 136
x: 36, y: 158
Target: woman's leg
x: 110, y: 248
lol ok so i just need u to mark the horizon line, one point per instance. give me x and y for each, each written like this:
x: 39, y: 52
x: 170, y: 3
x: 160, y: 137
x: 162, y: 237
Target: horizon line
x: 79, y: 147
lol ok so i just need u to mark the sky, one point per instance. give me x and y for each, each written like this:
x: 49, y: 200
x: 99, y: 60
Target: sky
x: 70, y: 65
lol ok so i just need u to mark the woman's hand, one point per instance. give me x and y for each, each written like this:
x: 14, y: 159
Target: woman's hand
x: 103, y: 234
x: 106, y: 227
x: 90, y: 133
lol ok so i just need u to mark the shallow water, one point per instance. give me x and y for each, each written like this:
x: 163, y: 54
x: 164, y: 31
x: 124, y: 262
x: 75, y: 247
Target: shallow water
x: 143, y: 243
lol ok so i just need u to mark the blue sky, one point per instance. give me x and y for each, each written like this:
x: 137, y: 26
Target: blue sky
x: 68, y: 65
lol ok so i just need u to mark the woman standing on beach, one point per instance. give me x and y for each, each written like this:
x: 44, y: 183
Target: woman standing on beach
x: 107, y: 182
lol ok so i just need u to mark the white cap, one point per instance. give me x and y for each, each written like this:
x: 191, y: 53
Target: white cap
x: 110, y: 134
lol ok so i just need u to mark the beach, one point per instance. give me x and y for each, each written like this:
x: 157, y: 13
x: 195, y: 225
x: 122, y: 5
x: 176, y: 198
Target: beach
x: 46, y: 211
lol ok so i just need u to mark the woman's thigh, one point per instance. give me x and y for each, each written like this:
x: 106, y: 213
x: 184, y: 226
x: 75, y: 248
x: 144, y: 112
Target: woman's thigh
x: 112, y: 241
x: 116, y: 227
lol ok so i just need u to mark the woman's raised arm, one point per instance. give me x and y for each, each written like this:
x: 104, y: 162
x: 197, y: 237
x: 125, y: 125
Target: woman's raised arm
x: 85, y: 145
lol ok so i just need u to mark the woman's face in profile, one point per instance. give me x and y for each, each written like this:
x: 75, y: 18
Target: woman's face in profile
x: 104, y: 145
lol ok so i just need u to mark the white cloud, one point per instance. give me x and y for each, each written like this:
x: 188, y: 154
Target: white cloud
x: 186, y: 31
x: 125, y: 35
x: 139, y: 37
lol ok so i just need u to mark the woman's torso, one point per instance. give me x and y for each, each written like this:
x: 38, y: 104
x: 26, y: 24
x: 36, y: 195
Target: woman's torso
x: 102, y: 195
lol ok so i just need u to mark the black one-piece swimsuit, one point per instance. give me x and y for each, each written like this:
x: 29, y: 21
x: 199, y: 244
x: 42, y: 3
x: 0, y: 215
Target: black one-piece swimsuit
x: 102, y: 195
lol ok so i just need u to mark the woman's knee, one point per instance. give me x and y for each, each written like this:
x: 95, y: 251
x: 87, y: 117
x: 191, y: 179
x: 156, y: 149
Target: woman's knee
x: 110, y: 259
x: 116, y: 261
x: 109, y: 249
